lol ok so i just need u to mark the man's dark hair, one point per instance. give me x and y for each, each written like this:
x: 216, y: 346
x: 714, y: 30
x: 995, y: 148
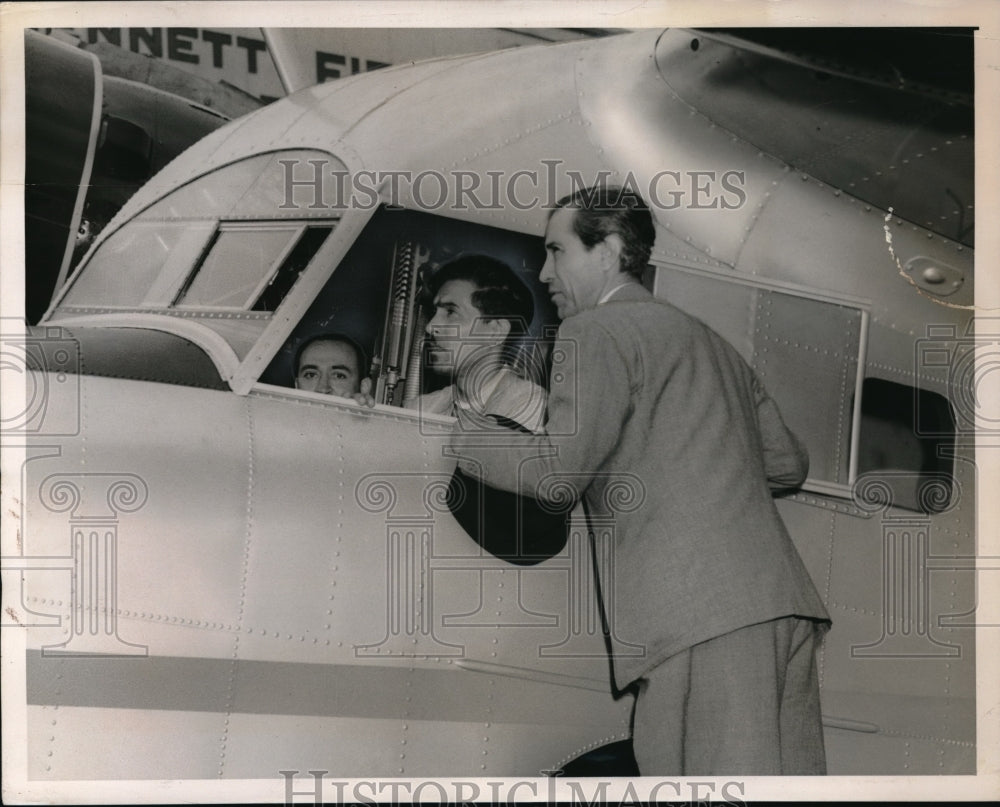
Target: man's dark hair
x: 601, y: 211
x: 500, y: 293
x: 343, y: 338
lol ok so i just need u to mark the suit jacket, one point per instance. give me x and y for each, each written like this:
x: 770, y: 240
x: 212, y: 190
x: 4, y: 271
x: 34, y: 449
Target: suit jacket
x: 653, y: 399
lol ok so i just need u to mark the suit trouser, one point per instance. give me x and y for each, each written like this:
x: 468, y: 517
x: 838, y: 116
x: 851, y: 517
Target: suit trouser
x: 745, y: 703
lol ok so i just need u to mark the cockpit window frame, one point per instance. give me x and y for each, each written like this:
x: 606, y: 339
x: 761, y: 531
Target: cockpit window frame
x: 296, y: 303
x: 297, y: 230
x: 162, y: 310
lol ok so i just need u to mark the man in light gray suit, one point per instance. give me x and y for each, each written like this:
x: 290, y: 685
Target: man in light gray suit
x: 706, y: 578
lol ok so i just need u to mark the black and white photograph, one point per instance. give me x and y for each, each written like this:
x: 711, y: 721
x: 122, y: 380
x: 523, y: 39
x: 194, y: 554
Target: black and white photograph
x: 454, y: 402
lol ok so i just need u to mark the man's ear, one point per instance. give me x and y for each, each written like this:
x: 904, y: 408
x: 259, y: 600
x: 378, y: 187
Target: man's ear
x: 490, y: 326
x: 612, y: 247
x: 502, y: 326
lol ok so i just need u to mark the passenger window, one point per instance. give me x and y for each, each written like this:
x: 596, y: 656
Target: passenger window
x: 807, y: 350
x: 907, y: 440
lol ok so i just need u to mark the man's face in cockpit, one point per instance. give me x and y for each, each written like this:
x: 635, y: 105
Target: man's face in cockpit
x: 459, y: 330
x: 330, y: 367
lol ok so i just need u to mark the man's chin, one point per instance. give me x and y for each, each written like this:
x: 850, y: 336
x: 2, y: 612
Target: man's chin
x: 561, y: 305
x: 439, y: 362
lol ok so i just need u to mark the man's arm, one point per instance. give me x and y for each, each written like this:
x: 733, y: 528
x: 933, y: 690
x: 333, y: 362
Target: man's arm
x: 589, y: 400
x: 786, y: 460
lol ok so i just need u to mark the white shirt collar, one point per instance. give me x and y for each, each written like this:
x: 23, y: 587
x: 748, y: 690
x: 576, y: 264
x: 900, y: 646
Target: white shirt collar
x: 608, y: 295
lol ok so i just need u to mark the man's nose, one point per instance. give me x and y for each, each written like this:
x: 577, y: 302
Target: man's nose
x: 546, y: 274
x: 324, y: 383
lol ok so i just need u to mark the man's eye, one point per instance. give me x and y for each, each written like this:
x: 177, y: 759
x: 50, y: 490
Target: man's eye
x: 340, y: 375
x: 308, y: 374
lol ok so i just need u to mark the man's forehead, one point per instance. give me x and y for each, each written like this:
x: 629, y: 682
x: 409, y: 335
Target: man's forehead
x: 560, y: 225
x: 327, y: 348
x: 457, y: 291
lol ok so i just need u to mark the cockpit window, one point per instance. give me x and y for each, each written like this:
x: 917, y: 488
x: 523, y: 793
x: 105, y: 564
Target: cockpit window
x: 251, y: 267
x: 293, y: 265
x: 374, y: 297
x: 237, y: 261
x: 234, y: 239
